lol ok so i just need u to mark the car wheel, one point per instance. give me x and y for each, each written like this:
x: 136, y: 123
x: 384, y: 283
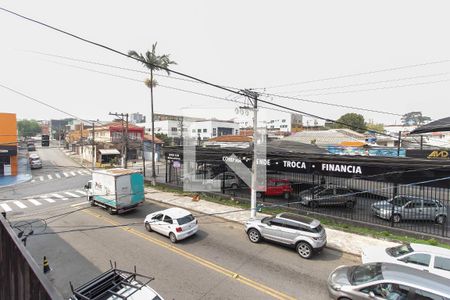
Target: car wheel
x: 111, y: 211
x: 234, y: 186
x: 313, y: 204
x: 441, y: 219
x: 304, y: 250
x: 172, y: 237
x: 148, y: 227
x: 396, y: 218
x: 259, y: 195
x: 287, y: 196
x: 254, y: 236
x: 349, y: 204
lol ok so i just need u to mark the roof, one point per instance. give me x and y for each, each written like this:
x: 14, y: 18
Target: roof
x: 108, y: 151
x: 176, y: 212
x: 438, y: 125
x: 117, y: 171
x: 430, y: 249
x: 148, y: 137
x: 231, y: 139
x: 424, y: 279
x: 327, y: 137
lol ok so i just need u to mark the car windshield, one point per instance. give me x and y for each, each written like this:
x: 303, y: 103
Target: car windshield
x: 266, y: 220
x: 316, y: 189
x: 35, y: 159
x: 399, y: 250
x: 185, y: 219
x: 365, y: 273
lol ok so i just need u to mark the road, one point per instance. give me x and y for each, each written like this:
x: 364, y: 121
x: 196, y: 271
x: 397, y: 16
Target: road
x: 58, y: 178
x: 217, y: 263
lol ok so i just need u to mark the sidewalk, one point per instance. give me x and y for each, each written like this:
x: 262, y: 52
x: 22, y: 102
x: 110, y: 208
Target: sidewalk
x: 338, y: 240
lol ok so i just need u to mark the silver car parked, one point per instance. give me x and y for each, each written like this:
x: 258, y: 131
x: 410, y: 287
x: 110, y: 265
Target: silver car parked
x: 411, y: 208
x: 386, y: 281
x: 305, y: 234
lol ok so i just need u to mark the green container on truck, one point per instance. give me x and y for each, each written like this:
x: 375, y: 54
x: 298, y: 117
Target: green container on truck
x: 117, y: 190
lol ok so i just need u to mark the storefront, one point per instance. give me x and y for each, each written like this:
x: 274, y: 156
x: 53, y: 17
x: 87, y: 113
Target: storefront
x: 8, y: 160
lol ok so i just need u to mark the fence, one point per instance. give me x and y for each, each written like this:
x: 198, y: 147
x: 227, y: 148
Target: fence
x: 20, y: 277
x: 414, y: 208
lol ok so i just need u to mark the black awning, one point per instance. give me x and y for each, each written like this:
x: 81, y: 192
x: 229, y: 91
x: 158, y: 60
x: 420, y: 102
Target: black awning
x: 8, y: 150
x: 435, y: 126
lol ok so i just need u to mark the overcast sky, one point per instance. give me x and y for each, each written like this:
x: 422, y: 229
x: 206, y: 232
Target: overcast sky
x: 243, y: 44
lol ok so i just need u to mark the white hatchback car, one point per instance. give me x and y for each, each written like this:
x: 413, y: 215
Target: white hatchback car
x: 424, y: 257
x: 176, y: 223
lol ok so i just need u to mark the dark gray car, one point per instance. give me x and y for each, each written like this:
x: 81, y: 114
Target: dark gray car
x: 327, y: 195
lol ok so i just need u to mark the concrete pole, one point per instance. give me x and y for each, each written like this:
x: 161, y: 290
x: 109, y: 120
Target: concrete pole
x: 254, y: 163
x: 93, y: 145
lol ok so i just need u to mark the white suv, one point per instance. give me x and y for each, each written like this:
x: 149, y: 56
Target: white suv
x: 305, y: 234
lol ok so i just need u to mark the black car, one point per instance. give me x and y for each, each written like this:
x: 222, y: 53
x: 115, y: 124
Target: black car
x: 323, y: 195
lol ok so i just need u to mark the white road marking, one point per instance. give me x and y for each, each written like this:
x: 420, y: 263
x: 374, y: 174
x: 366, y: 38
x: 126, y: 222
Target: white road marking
x: 33, y: 180
x: 35, y: 202
x: 41, y: 178
x: 59, y: 196
x: 65, y: 174
x: 72, y: 194
x: 57, y: 175
x: 79, y: 172
x: 49, y: 176
x: 47, y: 199
x: 5, y: 207
x: 81, y: 192
x: 20, y: 204
x: 87, y: 172
x: 73, y: 173
x: 78, y: 204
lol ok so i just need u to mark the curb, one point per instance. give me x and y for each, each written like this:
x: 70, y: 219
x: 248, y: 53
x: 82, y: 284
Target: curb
x: 237, y: 222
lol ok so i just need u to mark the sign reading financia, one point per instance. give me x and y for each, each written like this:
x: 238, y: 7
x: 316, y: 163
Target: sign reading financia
x: 325, y: 168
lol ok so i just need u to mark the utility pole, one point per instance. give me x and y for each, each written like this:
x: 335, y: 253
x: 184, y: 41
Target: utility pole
x: 253, y: 97
x: 93, y: 145
x: 82, y: 142
x: 124, y: 136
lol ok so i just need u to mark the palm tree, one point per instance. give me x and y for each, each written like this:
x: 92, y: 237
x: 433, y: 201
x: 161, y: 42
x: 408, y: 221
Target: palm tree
x: 153, y: 62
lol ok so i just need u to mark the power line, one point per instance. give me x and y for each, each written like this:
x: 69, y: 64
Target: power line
x: 365, y: 83
x: 358, y: 74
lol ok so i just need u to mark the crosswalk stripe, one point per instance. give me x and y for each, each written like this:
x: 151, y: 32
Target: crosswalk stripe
x: 65, y: 174
x: 72, y: 194
x: 47, y: 199
x: 41, y: 178
x: 73, y: 173
x: 81, y: 192
x: 57, y: 175
x: 49, y: 176
x: 79, y: 172
x: 33, y: 180
x: 5, y: 207
x: 59, y: 196
x: 87, y: 172
x: 35, y: 202
x: 20, y: 204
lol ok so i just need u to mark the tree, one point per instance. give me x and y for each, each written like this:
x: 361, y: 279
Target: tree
x: 153, y: 62
x: 351, y: 120
x: 414, y: 118
x: 28, y: 128
x: 164, y: 138
x: 375, y: 127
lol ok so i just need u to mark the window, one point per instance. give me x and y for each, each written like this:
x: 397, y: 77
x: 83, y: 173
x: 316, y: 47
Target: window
x: 158, y: 217
x: 168, y: 219
x: 185, y: 220
x: 340, y: 191
x: 214, y: 131
x: 276, y: 222
x: 399, y: 250
x: 199, y: 130
x: 399, y: 201
x: 193, y: 130
x: 418, y: 259
x: 423, y: 295
x: 429, y: 203
x: 174, y: 129
x: 391, y: 291
x: 237, y: 132
x: 327, y: 192
x: 366, y: 273
x: 205, y: 130
x: 442, y: 263
x: 284, y: 120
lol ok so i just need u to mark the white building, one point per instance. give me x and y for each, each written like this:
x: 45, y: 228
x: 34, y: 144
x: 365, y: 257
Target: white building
x: 283, y: 123
x: 137, y: 118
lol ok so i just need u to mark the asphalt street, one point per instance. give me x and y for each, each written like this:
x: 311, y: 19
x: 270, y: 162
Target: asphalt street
x: 58, y: 173
x: 217, y: 263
